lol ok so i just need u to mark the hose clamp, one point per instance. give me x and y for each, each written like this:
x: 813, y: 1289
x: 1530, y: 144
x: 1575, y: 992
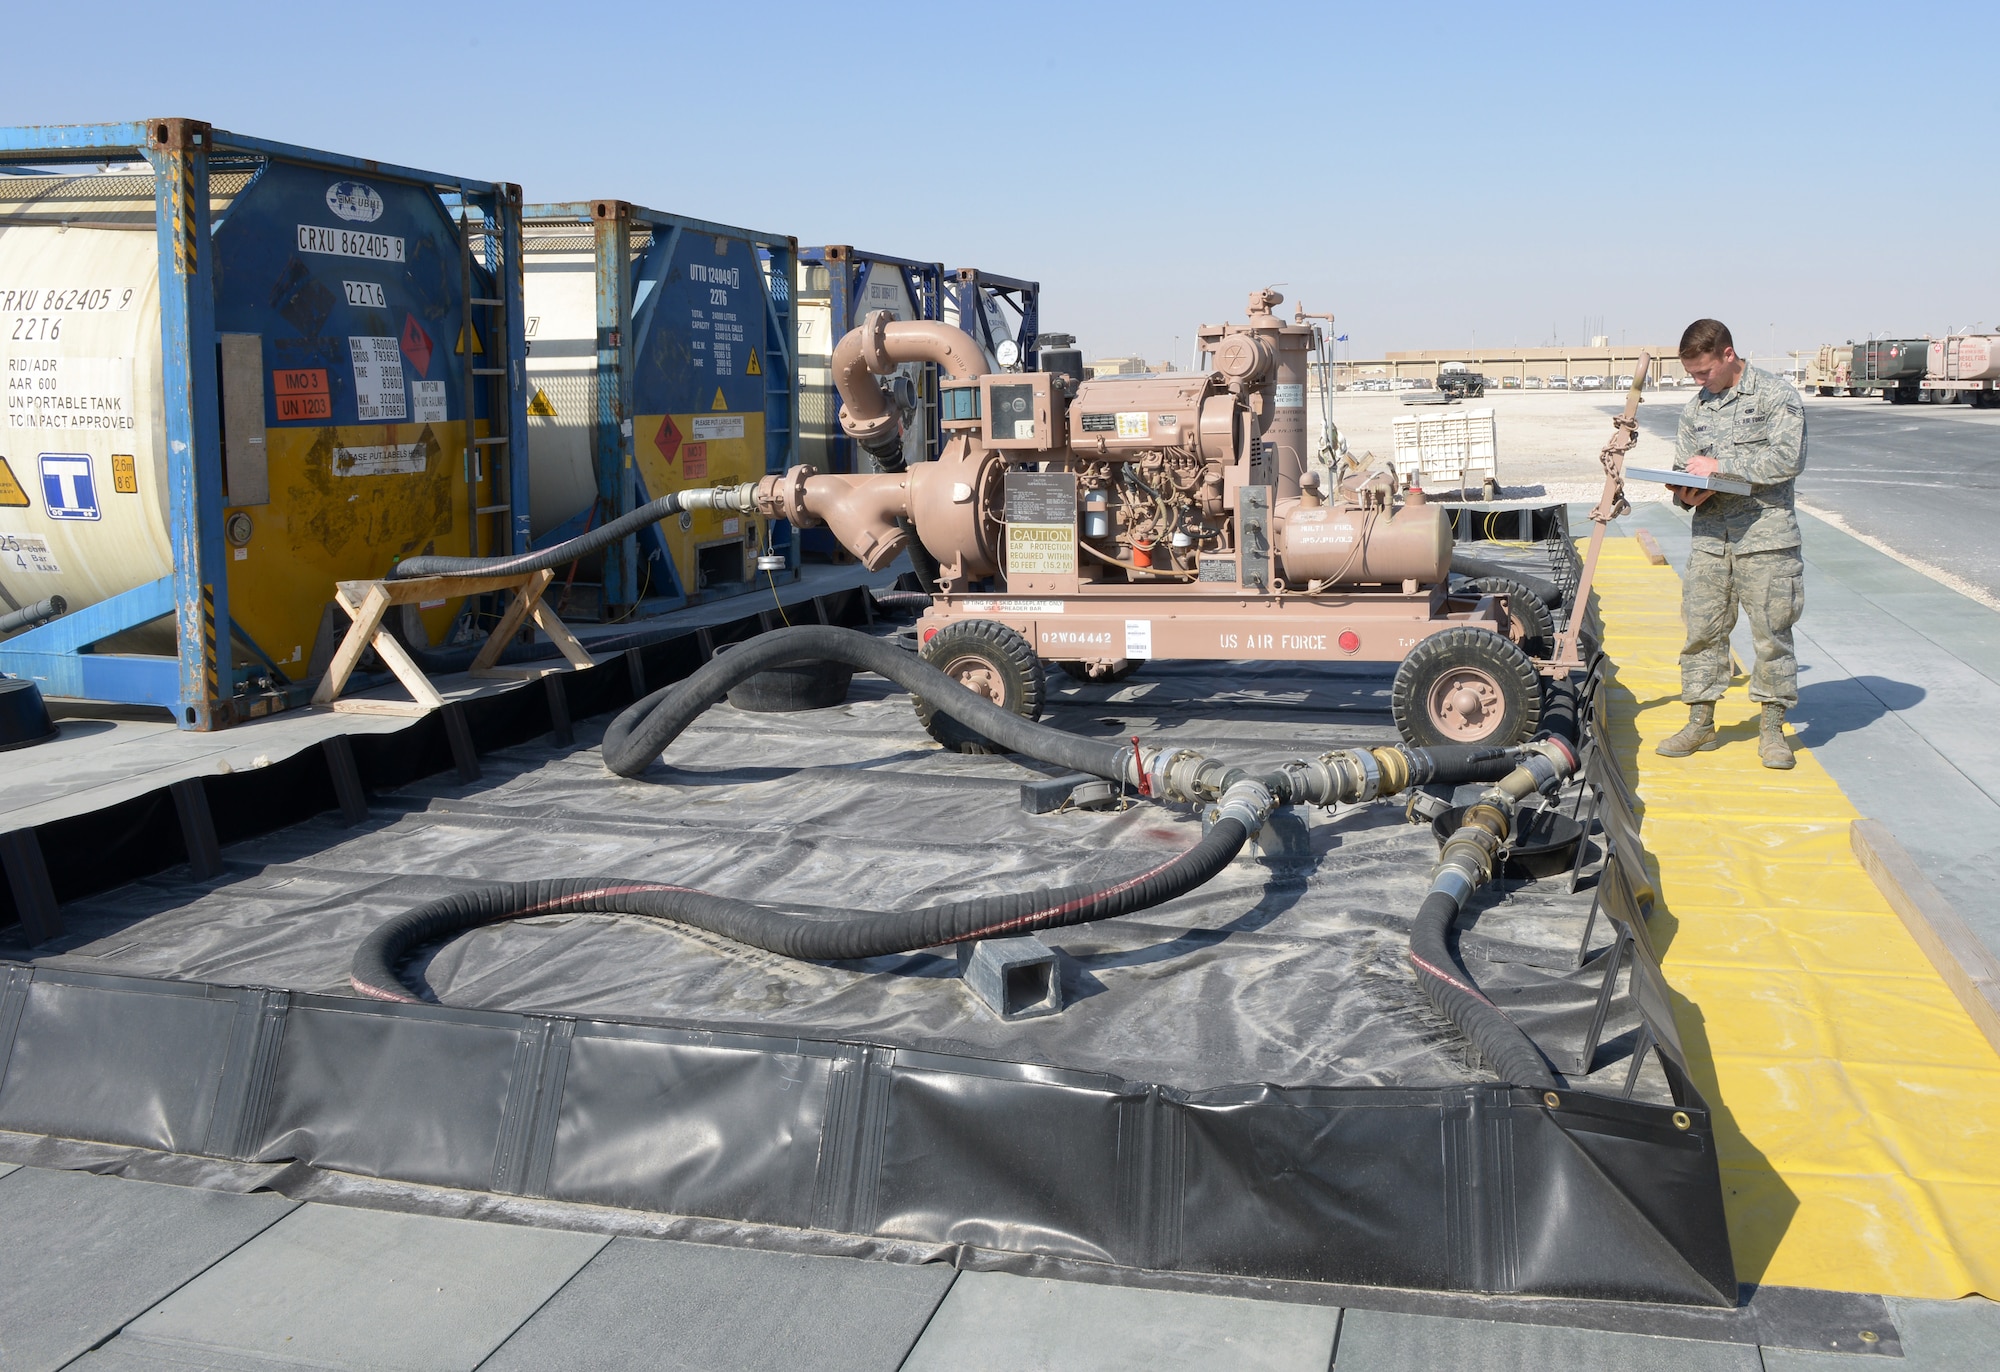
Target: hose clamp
x: 1249, y: 802
x: 1453, y: 882
x: 1422, y: 765
x: 1371, y: 775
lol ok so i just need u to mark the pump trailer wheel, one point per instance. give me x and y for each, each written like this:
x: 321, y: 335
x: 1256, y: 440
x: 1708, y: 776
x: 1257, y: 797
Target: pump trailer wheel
x: 992, y: 659
x: 1537, y: 620
x: 1467, y: 685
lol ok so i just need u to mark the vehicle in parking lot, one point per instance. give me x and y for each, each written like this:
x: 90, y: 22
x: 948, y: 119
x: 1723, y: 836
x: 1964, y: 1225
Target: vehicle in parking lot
x: 1589, y: 383
x: 1462, y: 384
x: 1625, y: 382
x: 1510, y: 383
x: 1558, y: 383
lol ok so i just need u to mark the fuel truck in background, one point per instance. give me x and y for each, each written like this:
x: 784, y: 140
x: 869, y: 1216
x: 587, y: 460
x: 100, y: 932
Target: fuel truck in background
x: 1964, y: 367
x: 1095, y: 523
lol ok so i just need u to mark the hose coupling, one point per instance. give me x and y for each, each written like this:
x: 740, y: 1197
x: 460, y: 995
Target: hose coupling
x: 1466, y: 862
x: 1419, y: 766
x: 737, y: 499
x: 1249, y: 802
x: 1367, y: 782
x: 1175, y: 774
x: 1548, y: 762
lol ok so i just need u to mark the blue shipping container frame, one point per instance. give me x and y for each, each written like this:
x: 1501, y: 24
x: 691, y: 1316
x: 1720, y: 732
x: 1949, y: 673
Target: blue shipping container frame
x: 625, y: 323
x: 206, y: 690
x: 971, y: 288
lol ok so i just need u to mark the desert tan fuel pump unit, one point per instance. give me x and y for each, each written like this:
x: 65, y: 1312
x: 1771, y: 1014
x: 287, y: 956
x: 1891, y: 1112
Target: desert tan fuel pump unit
x: 1095, y: 523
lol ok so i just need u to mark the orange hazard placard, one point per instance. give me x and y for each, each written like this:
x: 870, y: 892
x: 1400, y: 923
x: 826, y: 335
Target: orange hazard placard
x: 12, y: 496
x: 301, y: 393
x: 694, y: 462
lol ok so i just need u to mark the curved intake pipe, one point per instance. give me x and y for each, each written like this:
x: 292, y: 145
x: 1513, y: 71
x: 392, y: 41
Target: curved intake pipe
x: 879, y: 345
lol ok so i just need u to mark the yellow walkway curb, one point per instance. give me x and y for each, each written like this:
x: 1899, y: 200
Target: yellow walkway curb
x: 1857, y: 1105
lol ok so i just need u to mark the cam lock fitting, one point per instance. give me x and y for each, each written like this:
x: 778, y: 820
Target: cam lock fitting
x: 1182, y: 774
x: 737, y: 499
x: 1467, y: 860
x: 1352, y: 776
x: 1249, y: 802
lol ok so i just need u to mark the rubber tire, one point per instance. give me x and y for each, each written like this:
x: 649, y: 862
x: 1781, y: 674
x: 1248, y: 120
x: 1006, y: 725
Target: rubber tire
x: 1023, y: 682
x: 1076, y: 671
x: 1520, y: 686
x: 1538, y: 621
x: 801, y: 686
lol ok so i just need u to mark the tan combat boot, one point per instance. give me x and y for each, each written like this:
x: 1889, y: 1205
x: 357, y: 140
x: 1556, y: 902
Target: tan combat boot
x: 1697, y: 735
x: 1772, y: 746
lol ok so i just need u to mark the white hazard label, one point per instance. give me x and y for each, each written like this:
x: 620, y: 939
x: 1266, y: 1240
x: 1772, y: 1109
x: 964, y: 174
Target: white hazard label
x: 385, y: 459
x: 427, y: 402
x: 1291, y: 397
x: 378, y: 379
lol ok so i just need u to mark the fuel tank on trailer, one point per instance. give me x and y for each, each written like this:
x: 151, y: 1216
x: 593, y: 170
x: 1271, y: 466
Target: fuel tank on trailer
x: 1965, y: 357
x: 1351, y: 546
x: 338, y: 310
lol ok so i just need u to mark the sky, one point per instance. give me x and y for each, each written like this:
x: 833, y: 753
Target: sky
x: 1436, y: 175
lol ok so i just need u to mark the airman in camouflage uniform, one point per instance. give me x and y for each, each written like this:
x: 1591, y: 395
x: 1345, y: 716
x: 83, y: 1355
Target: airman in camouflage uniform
x: 1749, y: 424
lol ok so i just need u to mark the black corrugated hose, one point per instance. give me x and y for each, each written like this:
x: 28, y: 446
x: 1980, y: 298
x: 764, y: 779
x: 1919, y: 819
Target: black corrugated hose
x: 1506, y: 1048
x: 603, y: 536
x: 643, y: 731
x: 861, y: 934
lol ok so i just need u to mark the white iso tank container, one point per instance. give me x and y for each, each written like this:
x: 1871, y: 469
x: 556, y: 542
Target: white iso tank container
x: 343, y: 409
x: 83, y: 400
x: 560, y: 291
x: 711, y: 382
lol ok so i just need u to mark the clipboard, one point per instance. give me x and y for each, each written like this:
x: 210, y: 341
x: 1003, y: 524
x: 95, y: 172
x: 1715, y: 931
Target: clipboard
x: 1730, y: 485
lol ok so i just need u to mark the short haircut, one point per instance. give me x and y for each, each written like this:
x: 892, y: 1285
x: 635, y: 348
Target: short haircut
x: 1705, y: 338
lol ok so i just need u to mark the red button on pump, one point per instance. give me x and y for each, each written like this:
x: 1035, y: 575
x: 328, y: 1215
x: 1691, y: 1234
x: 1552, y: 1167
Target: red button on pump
x: 928, y: 634
x: 1350, y: 642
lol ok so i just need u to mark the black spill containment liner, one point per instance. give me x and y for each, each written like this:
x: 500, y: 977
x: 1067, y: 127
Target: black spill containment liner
x: 863, y: 1099
x: 1467, y: 1188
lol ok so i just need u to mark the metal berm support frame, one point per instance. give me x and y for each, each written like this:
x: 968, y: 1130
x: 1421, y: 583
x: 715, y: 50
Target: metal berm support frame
x: 201, y: 684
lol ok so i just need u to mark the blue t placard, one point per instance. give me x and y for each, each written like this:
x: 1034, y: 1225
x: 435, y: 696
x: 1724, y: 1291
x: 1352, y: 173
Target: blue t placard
x: 68, y: 490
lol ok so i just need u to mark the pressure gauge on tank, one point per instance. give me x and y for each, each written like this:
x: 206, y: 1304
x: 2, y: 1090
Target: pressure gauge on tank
x: 1007, y: 352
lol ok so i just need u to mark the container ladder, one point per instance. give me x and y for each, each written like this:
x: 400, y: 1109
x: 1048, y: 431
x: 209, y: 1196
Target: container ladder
x: 497, y: 411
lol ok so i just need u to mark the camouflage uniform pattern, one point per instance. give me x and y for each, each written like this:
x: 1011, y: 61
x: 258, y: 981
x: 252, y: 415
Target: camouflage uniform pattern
x: 1745, y: 547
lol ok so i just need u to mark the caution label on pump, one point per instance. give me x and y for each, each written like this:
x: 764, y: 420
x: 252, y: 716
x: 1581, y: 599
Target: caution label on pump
x: 13, y: 496
x: 541, y: 406
x: 720, y: 403
x: 753, y: 367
